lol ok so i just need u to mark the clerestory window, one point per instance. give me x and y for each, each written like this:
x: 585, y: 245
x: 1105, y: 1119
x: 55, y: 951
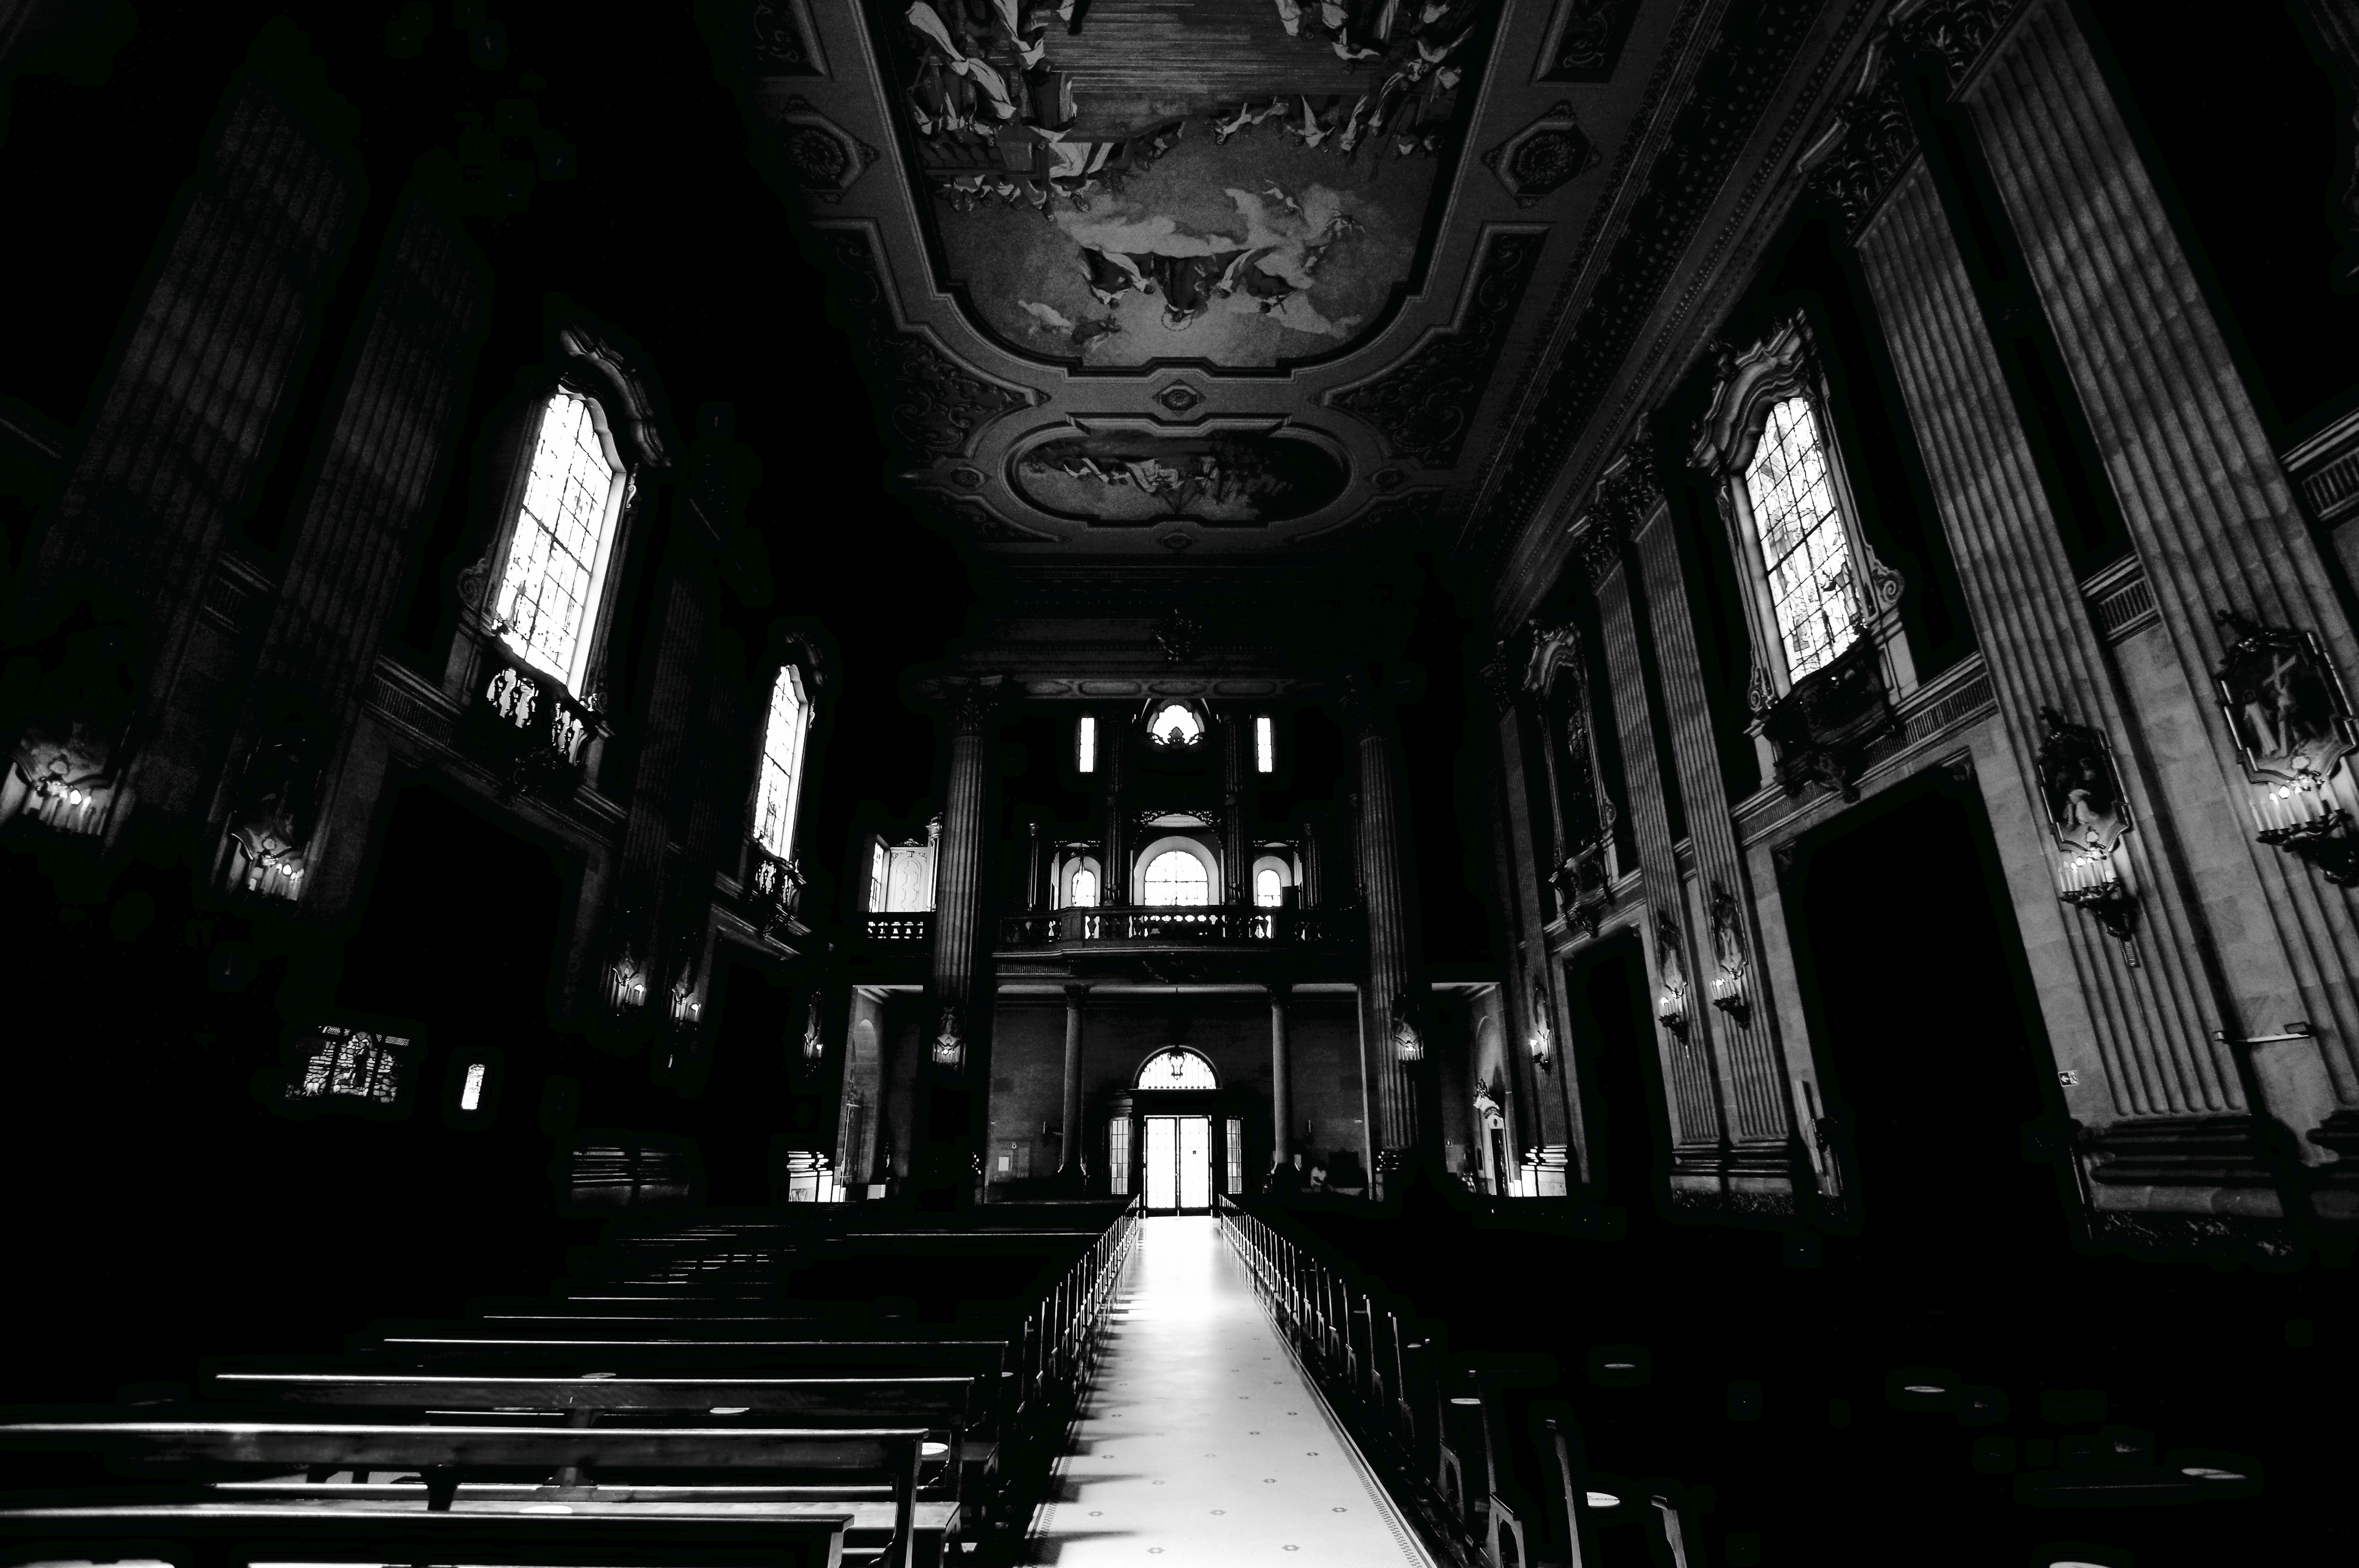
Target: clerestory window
x: 1804, y: 552
x: 780, y: 790
x: 554, y: 579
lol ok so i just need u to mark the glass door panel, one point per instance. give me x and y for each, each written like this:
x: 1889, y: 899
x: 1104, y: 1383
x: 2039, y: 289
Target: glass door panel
x: 1162, y: 1163
x: 1195, y: 1162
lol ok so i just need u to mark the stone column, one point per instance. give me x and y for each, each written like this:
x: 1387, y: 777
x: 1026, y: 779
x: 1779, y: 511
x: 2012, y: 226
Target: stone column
x: 2214, y: 525
x: 959, y: 937
x: 1383, y: 877
x: 1113, y: 884
x: 1310, y: 877
x: 1236, y: 868
x: 2148, y: 1028
x: 1756, y: 1084
x: 1551, y: 1116
x: 1281, y: 1077
x: 1696, y: 1084
x: 1070, y: 1160
x: 177, y: 435
x: 386, y: 442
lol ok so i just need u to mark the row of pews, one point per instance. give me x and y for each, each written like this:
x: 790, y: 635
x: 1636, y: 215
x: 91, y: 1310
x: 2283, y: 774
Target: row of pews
x: 862, y: 1386
x: 1506, y: 1464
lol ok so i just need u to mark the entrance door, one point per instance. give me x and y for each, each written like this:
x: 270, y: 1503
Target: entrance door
x: 1179, y: 1163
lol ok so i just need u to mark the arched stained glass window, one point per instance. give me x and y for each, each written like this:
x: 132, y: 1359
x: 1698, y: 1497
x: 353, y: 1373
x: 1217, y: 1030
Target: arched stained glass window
x: 1803, y: 548
x: 555, y: 574
x: 1269, y: 888
x: 782, y: 765
x: 1176, y: 1068
x: 1175, y: 724
x: 1085, y: 889
x: 1177, y: 877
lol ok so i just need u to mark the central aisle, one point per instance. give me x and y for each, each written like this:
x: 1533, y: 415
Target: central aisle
x: 1199, y: 1442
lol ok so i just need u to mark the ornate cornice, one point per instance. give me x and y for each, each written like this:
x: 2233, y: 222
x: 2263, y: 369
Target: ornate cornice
x: 1745, y: 64
x: 1780, y: 363
x: 1869, y: 141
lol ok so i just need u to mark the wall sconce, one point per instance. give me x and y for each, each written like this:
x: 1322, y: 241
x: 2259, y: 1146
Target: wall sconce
x: 2087, y: 883
x: 1541, y: 1041
x: 685, y: 1008
x: 2302, y: 819
x: 1732, y: 992
x: 1671, y: 1009
x: 950, y: 1046
x: 1408, y: 1045
x: 626, y: 984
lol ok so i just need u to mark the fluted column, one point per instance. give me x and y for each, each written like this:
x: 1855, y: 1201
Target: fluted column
x: 2211, y: 517
x: 174, y: 445
x: 1237, y: 863
x: 1069, y: 1159
x: 1551, y: 1114
x: 1755, y: 1083
x: 973, y: 705
x: 1281, y: 1077
x: 1114, y: 746
x: 1695, y: 1086
x: 2149, y: 1025
x: 1384, y: 878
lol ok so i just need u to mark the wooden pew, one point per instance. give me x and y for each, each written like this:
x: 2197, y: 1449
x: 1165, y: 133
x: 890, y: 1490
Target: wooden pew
x: 225, y: 1534
x: 881, y: 1458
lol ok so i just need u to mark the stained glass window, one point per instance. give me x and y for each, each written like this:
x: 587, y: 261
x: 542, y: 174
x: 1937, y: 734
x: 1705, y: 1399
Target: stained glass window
x: 352, y: 1063
x: 557, y: 560
x: 782, y: 765
x: 1802, y: 546
x: 1176, y: 1068
x: 1175, y: 724
x: 1264, y: 744
x: 1087, y: 741
x: 1177, y: 877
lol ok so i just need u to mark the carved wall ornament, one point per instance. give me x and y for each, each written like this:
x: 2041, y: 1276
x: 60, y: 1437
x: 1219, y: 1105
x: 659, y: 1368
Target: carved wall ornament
x: 972, y: 703
x: 1421, y: 406
x: 1747, y: 383
x: 821, y: 156
x: 1587, y: 42
x: 2081, y: 787
x: 948, y: 1049
x: 1827, y: 727
x: 933, y: 402
x: 624, y: 387
x: 2283, y: 700
x: 474, y: 581
x: 783, y: 40
x: 1180, y: 397
x: 1544, y: 157
x: 1740, y: 70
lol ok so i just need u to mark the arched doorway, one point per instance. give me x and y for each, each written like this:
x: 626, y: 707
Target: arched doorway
x: 1176, y: 1139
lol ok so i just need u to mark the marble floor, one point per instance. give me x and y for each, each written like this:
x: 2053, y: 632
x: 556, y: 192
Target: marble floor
x: 1200, y: 1442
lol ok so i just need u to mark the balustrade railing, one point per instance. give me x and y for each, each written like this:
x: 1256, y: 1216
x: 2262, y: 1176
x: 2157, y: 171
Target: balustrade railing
x: 908, y: 927
x: 1163, y: 923
x: 526, y: 725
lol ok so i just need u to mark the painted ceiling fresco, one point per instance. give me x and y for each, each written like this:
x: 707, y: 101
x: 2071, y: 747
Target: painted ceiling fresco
x: 1154, y: 280
x: 1244, y: 182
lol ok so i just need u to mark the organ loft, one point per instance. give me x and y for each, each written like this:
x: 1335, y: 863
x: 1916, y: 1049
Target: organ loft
x: 1480, y: 784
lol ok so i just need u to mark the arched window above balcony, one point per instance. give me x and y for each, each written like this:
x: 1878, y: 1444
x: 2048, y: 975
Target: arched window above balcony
x: 1177, y: 877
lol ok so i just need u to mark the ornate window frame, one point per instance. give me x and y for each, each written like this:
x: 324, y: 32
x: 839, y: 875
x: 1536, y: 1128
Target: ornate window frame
x: 1751, y: 385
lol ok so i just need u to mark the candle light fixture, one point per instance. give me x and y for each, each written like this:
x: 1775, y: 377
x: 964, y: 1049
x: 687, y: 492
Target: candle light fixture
x: 2089, y: 816
x: 2292, y: 722
x: 1672, y: 1004
x: 814, y: 1043
x: 1732, y: 988
x: 1408, y: 1045
x: 1671, y: 1009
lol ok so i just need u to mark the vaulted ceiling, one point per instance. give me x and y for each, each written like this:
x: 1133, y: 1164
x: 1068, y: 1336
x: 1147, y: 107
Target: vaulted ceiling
x: 1255, y: 280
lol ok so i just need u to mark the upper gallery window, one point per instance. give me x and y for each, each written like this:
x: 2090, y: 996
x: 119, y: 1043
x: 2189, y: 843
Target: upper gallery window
x: 564, y: 541
x: 1264, y: 744
x: 1085, y: 741
x: 1269, y: 888
x: 1177, y: 877
x: 1804, y: 549
x: 1085, y: 889
x: 1175, y: 724
x: 780, y: 790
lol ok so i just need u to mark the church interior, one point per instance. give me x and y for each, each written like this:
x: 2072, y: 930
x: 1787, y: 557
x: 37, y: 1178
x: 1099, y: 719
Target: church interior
x: 819, y: 781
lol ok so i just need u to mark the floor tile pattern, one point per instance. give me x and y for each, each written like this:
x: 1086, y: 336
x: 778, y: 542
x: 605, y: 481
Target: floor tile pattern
x: 1199, y: 1441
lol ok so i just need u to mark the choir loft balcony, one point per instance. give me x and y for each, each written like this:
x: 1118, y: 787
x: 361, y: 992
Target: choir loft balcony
x: 1249, y: 927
